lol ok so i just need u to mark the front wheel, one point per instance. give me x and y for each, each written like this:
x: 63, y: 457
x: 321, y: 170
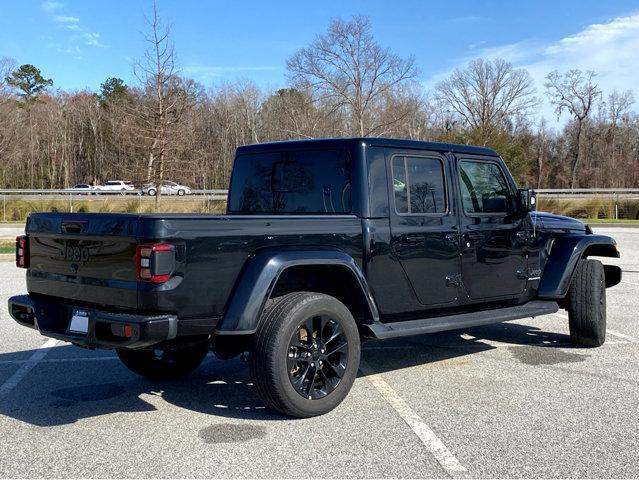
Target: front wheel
x: 587, y: 304
x: 181, y: 193
x: 166, y: 363
x: 152, y: 192
x: 306, y: 354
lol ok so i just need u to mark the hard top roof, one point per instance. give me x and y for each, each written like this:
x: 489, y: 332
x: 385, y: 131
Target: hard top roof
x: 368, y: 141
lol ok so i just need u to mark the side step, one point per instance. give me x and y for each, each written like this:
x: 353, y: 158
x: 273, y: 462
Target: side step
x: 463, y: 320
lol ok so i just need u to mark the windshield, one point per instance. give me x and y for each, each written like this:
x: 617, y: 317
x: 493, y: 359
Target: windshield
x: 296, y: 182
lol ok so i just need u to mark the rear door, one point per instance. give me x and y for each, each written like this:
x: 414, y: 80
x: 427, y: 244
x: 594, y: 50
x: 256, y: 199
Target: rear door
x: 493, y: 261
x: 424, y: 232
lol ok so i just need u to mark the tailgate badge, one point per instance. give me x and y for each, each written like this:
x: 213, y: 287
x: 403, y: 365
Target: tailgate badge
x: 75, y: 253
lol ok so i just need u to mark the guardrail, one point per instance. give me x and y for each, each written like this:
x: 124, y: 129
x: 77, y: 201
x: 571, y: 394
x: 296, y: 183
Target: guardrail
x: 618, y: 197
x: 79, y: 191
x: 614, y: 203
x: 72, y: 197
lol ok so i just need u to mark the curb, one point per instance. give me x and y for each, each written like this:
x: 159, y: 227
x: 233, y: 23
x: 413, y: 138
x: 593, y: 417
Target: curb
x: 5, y: 257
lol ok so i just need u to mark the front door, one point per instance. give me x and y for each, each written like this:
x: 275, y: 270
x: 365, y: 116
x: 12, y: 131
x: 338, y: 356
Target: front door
x: 424, y: 232
x: 493, y: 241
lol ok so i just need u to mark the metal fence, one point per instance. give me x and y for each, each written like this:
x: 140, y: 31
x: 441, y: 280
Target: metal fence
x: 15, y: 201
x: 613, y: 203
x: 604, y: 203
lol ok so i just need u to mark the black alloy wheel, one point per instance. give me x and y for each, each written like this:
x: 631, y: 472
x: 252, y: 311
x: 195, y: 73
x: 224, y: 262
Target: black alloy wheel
x: 317, y: 357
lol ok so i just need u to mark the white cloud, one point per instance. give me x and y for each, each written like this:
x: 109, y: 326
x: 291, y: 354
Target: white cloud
x: 65, y: 19
x: 610, y: 49
x: 51, y: 6
x: 93, y: 39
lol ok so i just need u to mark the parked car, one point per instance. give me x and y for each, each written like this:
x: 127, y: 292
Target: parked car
x: 115, y: 186
x: 82, y: 188
x: 166, y: 188
x: 325, y: 243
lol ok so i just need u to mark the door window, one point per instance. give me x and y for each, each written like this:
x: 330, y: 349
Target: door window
x: 483, y: 187
x: 418, y: 185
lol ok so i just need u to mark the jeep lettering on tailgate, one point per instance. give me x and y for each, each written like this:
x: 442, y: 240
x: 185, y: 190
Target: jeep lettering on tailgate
x: 75, y: 253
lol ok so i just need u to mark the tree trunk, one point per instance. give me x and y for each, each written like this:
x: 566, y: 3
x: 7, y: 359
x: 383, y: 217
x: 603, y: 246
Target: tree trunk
x: 573, y: 179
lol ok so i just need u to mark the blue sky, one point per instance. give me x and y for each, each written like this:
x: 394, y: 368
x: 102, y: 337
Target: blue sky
x: 81, y: 43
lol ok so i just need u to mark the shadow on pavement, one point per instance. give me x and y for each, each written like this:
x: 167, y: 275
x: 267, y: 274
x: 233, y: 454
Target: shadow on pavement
x: 54, y: 393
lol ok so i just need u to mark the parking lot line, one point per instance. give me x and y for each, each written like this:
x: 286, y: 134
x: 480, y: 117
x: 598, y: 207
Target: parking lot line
x: 431, y: 441
x: 608, y: 330
x: 630, y: 283
x: 621, y: 335
x: 26, y: 367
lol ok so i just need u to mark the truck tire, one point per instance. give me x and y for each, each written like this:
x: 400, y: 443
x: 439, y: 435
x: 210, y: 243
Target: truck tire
x: 587, y: 304
x: 305, y: 354
x: 164, y: 364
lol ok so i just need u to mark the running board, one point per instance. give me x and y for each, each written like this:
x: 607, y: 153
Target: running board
x: 463, y: 320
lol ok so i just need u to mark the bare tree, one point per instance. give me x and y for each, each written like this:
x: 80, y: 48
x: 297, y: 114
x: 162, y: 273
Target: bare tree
x: 157, y: 72
x: 349, y: 69
x: 486, y: 94
x: 574, y: 92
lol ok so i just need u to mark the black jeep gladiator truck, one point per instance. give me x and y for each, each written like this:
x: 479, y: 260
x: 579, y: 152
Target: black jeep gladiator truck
x: 325, y: 243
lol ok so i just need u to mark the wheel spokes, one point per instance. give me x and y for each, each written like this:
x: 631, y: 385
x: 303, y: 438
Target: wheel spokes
x: 311, y: 372
x: 339, y: 369
x: 340, y: 347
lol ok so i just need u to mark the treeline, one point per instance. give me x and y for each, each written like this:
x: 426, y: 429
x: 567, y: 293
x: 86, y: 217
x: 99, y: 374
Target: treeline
x: 344, y: 83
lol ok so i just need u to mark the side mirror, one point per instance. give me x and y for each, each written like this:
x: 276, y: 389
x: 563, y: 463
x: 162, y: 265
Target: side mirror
x: 527, y: 200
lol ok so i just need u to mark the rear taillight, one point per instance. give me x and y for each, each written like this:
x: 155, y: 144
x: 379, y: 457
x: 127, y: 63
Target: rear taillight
x: 22, y: 252
x: 154, y: 262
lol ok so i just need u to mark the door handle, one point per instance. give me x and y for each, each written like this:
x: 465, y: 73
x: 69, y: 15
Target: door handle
x: 474, y: 236
x: 452, y: 237
x: 413, y: 239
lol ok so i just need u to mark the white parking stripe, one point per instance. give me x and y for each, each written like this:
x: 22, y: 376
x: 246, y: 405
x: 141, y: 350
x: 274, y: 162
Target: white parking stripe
x: 608, y: 330
x: 630, y: 283
x: 26, y: 367
x: 621, y: 335
x: 446, y: 459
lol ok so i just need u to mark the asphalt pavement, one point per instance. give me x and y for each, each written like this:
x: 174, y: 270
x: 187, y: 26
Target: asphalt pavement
x: 506, y: 400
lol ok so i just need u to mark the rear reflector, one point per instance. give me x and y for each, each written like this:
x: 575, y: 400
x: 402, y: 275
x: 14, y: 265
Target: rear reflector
x: 22, y: 251
x: 154, y: 263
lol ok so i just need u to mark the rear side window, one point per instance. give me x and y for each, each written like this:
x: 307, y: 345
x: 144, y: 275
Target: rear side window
x: 484, y: 188
x: 297, y: 182
x: 418, y: 185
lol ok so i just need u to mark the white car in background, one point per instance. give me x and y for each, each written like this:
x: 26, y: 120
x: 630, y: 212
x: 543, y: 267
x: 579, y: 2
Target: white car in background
x: 81, y: 188
x: 115, y: 186
x: 166, y: 188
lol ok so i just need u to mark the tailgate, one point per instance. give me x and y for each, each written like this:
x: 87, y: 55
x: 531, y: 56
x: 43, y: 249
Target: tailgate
x: 84, y: 258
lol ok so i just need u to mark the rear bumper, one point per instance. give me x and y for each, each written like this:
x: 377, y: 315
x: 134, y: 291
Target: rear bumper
x: 105, y: 329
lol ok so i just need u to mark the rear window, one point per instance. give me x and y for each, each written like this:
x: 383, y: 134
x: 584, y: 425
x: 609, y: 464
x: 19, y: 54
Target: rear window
x: 308, y: 181
x: 418, y: 185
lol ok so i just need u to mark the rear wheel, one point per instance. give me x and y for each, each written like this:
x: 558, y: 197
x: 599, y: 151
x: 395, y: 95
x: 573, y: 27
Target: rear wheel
x: 306, y: 354
x: 587, y: 304
x: 166, y: 363
x: 180, y: 192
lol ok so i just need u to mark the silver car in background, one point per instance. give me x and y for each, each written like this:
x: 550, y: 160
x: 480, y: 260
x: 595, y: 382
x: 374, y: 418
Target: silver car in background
x: 166, y: 188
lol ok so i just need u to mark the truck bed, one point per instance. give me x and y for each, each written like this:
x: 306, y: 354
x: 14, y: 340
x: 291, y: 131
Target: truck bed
x: 89, y: 259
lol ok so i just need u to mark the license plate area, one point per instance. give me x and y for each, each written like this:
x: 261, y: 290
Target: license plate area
x: 79, y: 323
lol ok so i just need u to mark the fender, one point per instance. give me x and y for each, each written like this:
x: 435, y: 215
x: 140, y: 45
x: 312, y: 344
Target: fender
x: 258, y: 278
x: 566, y: 252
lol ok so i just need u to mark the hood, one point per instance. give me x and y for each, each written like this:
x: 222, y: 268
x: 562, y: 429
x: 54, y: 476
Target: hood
x: 550, y: 221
